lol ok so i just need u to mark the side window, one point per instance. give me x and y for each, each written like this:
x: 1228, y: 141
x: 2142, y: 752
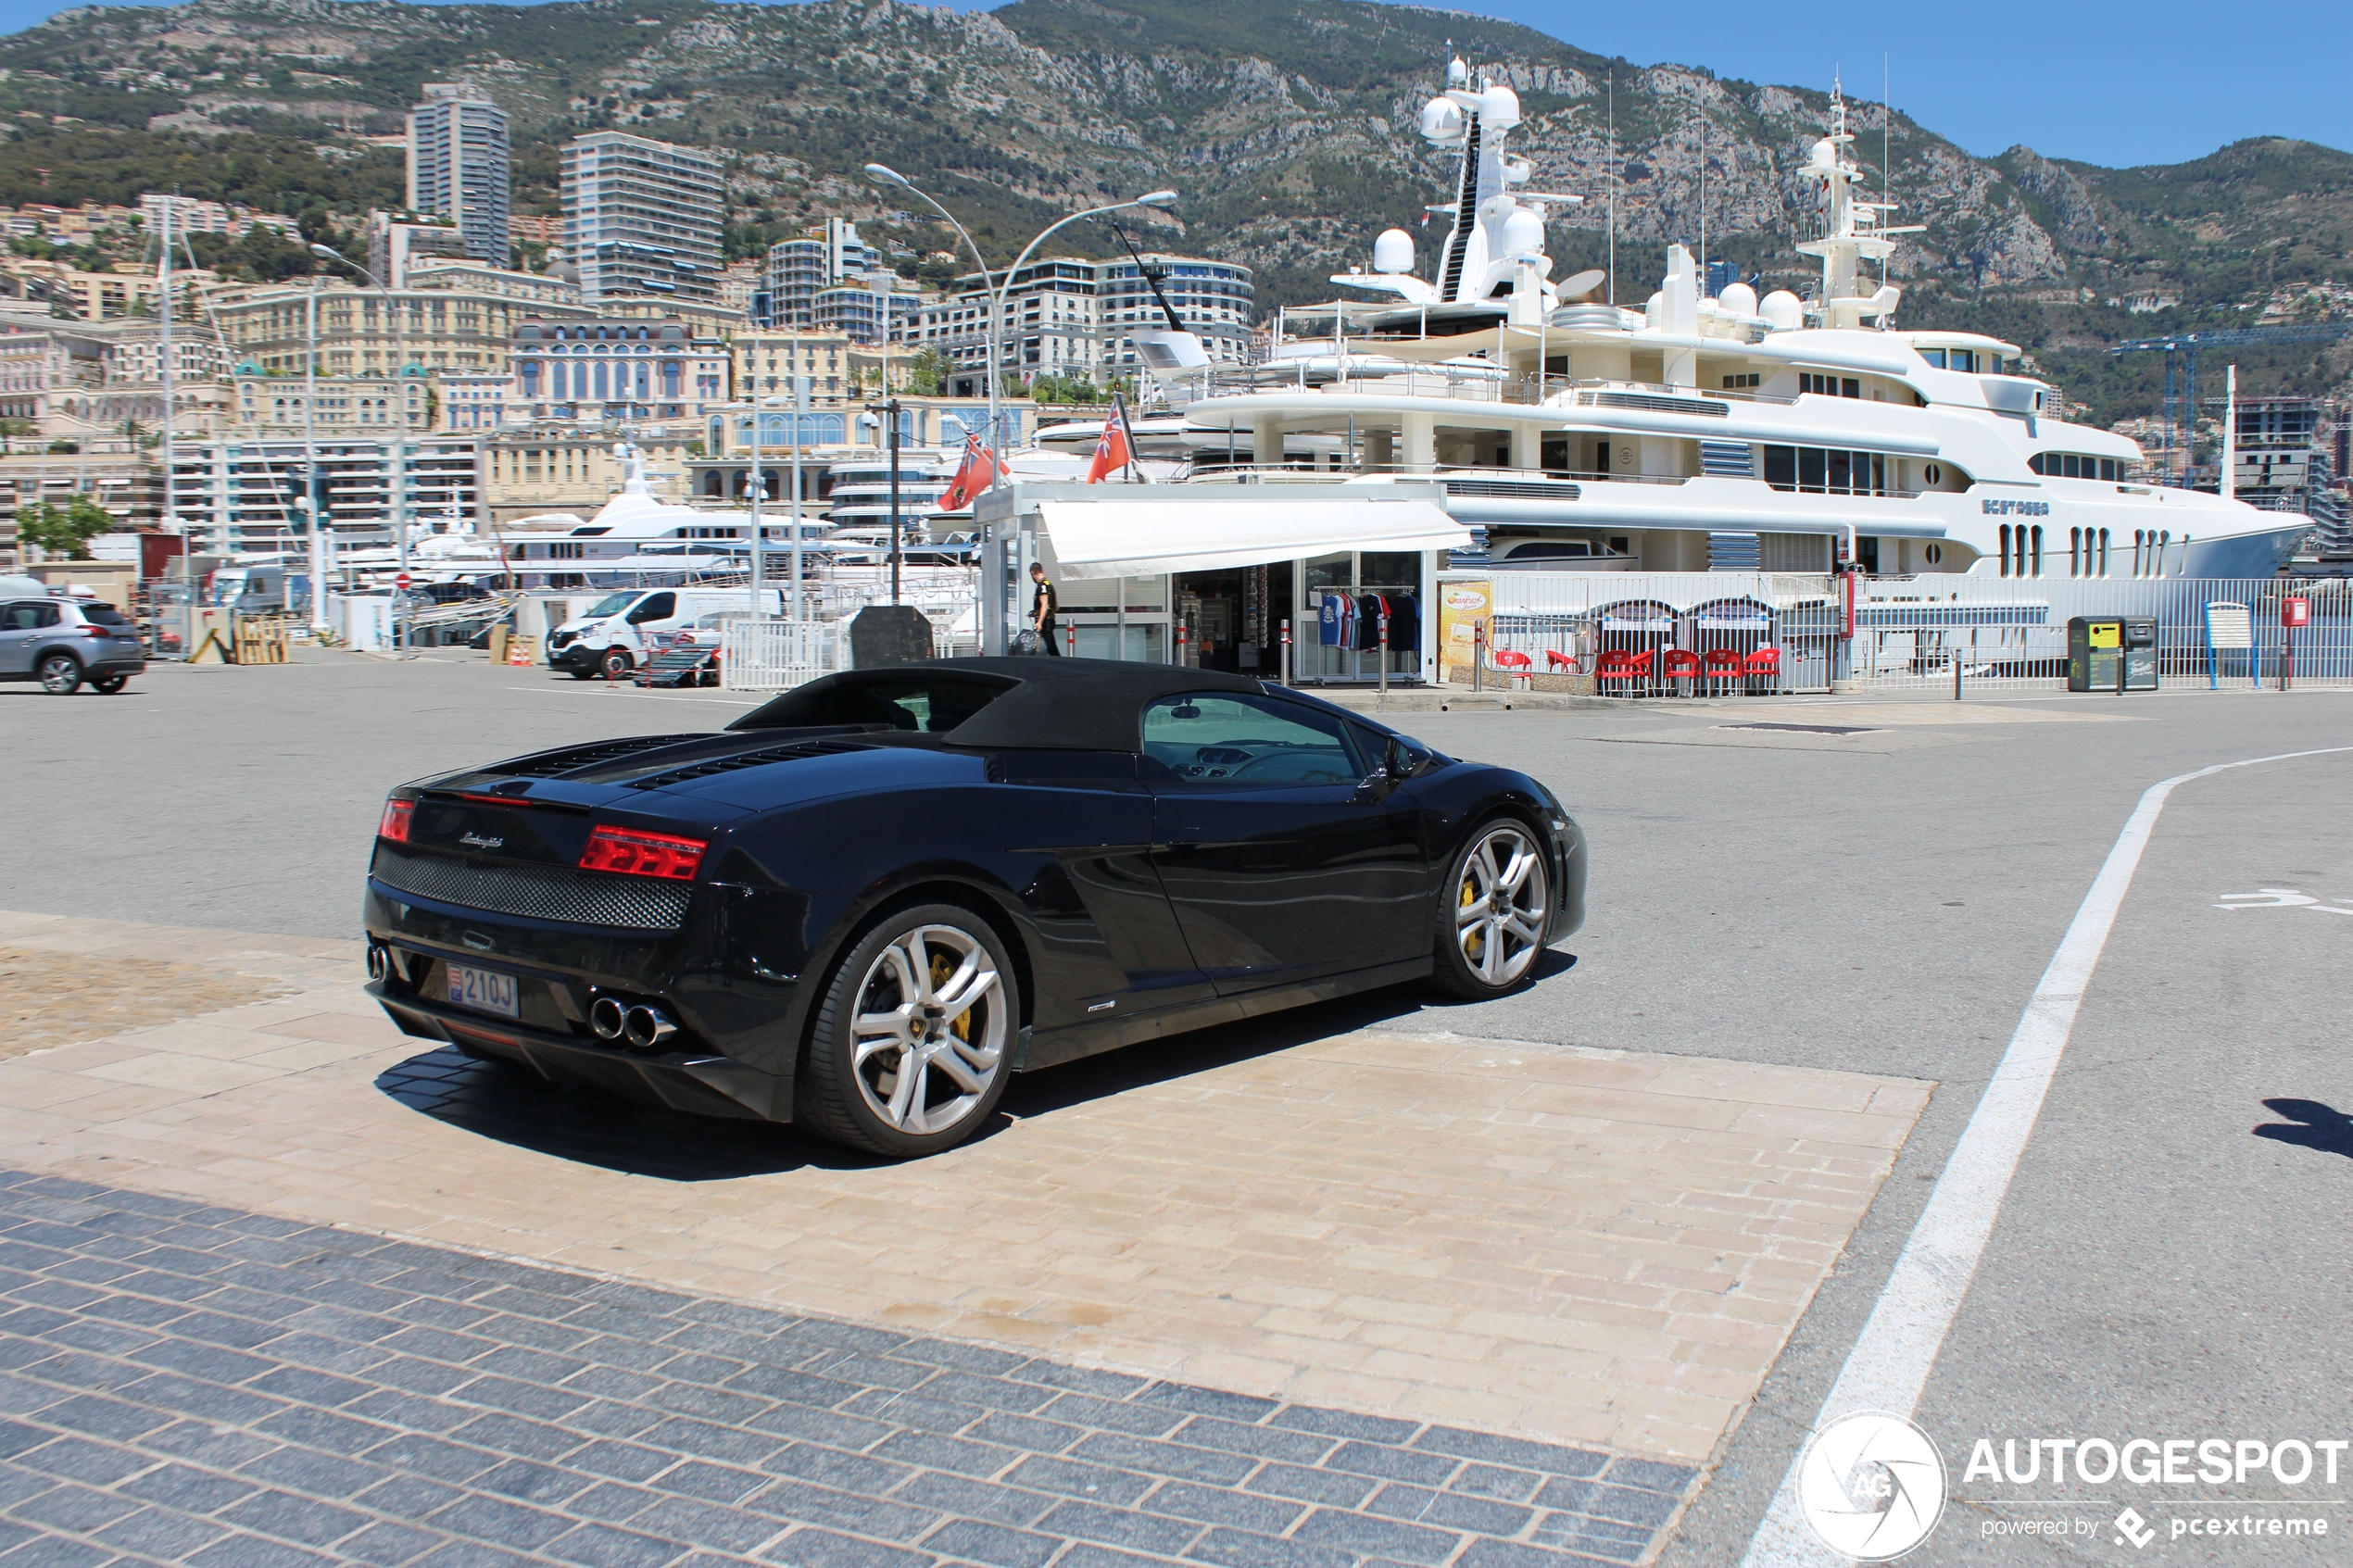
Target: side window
x: 1227, y: 738
x: 17, y: 617
x: 659, y: 607
x: 44, y: 615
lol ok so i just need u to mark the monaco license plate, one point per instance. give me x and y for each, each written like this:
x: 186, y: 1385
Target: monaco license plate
x: 483, y: 990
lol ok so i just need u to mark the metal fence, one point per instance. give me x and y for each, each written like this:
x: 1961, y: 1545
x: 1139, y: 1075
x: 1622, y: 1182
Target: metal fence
x: 2012, y: 633
x: 774, y: 656
x: 1909, y: 632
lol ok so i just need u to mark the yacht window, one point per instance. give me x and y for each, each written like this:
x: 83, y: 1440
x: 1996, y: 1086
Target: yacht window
x: 1735, y: 384
x: 1812, y: 469
x: 1933, y: 475
x: 2037, y: 533
x: 2075, y: 552
x: 2108, y: 468
x: 2103, y: 564
x: 1934, y: 356
x: 2068, y: 465
x: 1962, y: 360
x: 2006, y: 549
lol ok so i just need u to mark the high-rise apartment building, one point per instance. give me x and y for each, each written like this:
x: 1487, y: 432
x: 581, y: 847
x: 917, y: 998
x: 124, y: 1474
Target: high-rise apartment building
x: 827, y: 257
x: 457, y: 166
x: 642, y: 216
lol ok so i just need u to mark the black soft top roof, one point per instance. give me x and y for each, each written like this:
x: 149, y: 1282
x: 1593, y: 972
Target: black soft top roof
x: 1044, y: 704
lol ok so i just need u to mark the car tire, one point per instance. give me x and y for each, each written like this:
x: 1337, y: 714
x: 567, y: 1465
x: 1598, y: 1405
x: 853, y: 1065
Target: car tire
x: 60, y: 673
x: 107, y: 685
x: 1492, y: 911
x: 613, y: 664
x: 883, y: 1007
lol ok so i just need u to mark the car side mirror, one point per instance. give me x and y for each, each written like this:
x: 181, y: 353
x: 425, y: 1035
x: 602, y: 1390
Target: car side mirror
x: 1401, y: 759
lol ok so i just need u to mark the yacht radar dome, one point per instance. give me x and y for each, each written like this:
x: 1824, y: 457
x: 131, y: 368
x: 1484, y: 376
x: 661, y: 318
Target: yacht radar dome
x: 1393, y: 252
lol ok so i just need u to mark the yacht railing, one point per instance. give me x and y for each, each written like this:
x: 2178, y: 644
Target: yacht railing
x: 1564, y: 479
x: 1467, y: 383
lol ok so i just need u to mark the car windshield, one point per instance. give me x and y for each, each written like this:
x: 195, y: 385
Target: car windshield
x: 924, y: 704
x: 612, y: 603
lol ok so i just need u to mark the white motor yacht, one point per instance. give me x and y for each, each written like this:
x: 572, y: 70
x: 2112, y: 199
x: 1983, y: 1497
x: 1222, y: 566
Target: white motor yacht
x: 1700, y: 431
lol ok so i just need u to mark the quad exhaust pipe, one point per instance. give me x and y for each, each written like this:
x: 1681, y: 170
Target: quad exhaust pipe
x: 649, y: 1029
x: 640, y: 1026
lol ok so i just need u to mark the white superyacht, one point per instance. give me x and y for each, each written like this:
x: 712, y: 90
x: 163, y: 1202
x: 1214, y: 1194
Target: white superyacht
x: 1725, y: 433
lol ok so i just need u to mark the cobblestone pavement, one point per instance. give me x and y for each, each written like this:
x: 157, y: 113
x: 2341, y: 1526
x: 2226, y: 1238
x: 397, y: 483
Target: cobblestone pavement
x: 183, y: 1383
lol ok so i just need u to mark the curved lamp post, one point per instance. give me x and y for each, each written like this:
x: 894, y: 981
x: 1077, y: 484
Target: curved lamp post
x: 882, y: 174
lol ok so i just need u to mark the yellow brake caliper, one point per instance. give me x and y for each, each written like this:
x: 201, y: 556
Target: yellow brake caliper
x: 941, y: 973
x: 1476, y: 944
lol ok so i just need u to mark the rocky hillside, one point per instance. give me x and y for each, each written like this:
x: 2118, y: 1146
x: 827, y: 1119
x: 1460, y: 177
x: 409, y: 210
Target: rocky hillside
x: 1287, y: 124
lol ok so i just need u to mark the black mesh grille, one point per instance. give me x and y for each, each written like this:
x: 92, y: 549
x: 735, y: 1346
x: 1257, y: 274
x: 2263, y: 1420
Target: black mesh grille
x: 636, y: 903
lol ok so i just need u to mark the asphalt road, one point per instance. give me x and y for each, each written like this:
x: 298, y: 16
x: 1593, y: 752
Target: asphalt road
x: 1884, y: 901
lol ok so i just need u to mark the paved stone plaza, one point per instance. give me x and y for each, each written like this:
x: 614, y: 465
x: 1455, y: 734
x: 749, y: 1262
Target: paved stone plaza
x: 1273, y: 1302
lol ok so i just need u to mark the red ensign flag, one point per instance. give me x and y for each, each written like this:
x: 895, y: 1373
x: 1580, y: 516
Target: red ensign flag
x: 1111, y: 452
x: 972, y: 476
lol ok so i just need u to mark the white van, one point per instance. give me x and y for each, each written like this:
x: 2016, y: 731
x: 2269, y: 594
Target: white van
x: 617, y: 634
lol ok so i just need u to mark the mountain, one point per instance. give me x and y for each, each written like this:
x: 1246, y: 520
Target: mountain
x: 1287, y: 125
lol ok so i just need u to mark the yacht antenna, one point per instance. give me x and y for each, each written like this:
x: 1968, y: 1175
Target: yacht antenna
x: 1703, y: 202
x: 1150, y: 277
x: 1613, y: 184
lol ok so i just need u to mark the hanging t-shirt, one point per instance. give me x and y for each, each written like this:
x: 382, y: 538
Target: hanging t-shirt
x: 1368, y: 614
x: 1404, y: 621
x: 1328, y: 620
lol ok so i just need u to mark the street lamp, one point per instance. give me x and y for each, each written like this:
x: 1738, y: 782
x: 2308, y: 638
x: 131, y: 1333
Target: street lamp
x: 882, y: 174
x: 400, y: 454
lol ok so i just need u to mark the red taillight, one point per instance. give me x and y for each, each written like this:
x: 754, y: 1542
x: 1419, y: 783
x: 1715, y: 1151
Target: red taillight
x: 642, y: 854
x: 96, y: 632
x: 394, y: 824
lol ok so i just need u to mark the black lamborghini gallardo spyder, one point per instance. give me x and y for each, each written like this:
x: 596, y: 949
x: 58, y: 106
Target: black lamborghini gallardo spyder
x: 862, y: 905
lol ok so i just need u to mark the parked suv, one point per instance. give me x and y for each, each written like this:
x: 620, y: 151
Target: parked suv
x: 62, y: 643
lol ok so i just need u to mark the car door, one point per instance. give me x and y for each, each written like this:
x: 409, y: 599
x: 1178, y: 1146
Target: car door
x: 1109, y: 944
x: 1285, y: 853
x: 20, y: 626
x: 646, y: 617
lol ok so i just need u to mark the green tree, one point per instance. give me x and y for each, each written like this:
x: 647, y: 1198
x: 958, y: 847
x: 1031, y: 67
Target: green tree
x: 927, y: 372
x: 64, y: 531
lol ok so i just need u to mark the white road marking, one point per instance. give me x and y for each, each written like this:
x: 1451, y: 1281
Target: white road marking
x: 1892, y: 1356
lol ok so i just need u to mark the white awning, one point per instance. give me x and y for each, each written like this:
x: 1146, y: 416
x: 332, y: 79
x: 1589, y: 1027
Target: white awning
x: 1127, y: 538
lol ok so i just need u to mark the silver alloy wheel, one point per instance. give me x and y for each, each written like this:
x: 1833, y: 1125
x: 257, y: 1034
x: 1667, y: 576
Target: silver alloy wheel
x: 928, y: 1034
x: 1501, y: 906
x: 60, y: 673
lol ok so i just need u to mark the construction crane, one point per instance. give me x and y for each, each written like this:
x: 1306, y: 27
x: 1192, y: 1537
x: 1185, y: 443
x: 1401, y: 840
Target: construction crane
x: 2221, y: 337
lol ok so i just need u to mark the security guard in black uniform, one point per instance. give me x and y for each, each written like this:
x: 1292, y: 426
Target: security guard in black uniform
x: 1045, y: 605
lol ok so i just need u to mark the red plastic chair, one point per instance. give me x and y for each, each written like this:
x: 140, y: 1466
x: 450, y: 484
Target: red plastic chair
x: 1555, y: 660
x: 1725, y: 665
x: 1619, y: 665
x: 1514, y: 664
x: 1765, y: 664
x: 1681, y: 664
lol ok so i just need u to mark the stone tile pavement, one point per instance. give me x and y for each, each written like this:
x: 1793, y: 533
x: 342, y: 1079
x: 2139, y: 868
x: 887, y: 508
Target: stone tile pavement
x: 187, y: 1383
x: 1590, y: 1249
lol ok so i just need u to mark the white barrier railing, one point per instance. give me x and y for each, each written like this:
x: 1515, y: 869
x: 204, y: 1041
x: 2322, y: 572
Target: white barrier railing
x: 2005, y: 633
x: 775, y: 656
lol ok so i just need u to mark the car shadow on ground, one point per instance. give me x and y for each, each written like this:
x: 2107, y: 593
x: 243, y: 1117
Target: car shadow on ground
x: 589, y: 1127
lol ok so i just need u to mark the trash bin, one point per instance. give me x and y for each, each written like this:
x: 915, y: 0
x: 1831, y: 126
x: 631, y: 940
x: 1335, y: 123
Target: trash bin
x: 2116, y: 655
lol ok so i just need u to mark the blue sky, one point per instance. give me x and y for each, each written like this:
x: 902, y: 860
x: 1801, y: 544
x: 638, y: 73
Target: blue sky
x: 2154, y: 82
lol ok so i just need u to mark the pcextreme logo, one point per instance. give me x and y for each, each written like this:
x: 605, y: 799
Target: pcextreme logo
x: 1872, y: 1485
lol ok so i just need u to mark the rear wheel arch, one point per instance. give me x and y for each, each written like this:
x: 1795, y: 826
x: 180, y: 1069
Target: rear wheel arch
x: 963, y: 894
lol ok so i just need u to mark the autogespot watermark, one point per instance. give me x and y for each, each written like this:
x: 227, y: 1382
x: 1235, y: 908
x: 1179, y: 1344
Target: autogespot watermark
x: 1873, y: 1486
